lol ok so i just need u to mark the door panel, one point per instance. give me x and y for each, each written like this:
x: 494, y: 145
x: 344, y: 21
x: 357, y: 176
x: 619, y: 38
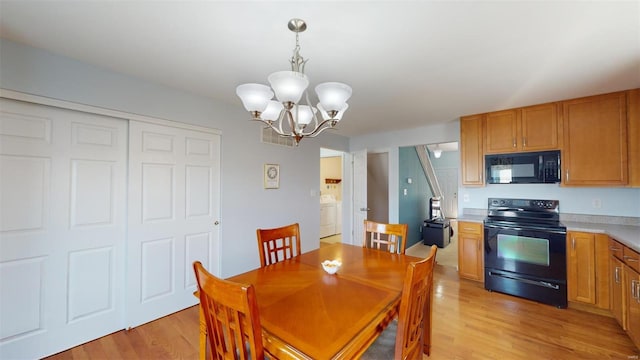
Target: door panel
x: 359, y: 195
x: 173, y: 204
x: 448, y: 180
x: 62, y: 228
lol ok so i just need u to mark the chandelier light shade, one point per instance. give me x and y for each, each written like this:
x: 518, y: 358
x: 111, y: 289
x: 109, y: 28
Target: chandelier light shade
x: 303, y: 114
x: 288, y: 85
x: 291, y: 114
x: 333, y: 95
x: 272, y: 112
x: 255, y: 97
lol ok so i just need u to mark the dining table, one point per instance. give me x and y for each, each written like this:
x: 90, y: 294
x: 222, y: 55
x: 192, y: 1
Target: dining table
x: 307, y: 313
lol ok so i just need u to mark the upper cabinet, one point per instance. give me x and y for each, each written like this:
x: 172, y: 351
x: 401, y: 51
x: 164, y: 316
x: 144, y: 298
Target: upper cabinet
x: 501, y: 131
x: 599, y: 137
x: 633, y: 116
x: 540, y: 128
x: 472, y: 158
x: 595, y: 140
x: 531, y: 128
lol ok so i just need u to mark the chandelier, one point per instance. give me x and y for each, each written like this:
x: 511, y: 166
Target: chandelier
x: 292, y: 114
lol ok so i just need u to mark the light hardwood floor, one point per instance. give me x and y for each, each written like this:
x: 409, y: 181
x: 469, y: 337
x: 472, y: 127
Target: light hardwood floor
x: 468, y: 323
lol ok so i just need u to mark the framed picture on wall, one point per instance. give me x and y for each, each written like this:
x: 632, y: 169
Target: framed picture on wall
x: 271, y: 176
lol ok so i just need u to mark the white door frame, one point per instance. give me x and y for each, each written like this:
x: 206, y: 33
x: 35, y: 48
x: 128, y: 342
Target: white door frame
x: 359, y: 194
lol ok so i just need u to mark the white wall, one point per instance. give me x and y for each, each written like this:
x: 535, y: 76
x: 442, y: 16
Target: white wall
x: 245, y: 204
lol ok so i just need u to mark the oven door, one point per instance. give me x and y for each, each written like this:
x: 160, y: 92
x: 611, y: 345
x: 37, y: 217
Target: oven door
x: 519, y: 250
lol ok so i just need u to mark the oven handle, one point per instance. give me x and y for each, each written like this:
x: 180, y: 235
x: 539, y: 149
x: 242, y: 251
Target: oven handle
x: 563, y: 232
x: 532, y: 282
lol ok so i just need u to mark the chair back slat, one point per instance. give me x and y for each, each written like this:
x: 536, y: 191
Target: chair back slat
x: 278, y: 244
x: 381, y: 236
x: 415, y: 309
x: 231, y: 315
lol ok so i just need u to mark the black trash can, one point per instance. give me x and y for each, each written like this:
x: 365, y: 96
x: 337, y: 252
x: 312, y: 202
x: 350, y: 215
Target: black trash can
x: 436, y: 232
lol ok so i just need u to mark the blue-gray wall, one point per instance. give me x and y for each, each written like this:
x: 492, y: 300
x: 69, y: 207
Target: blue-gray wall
x: 414, y: 206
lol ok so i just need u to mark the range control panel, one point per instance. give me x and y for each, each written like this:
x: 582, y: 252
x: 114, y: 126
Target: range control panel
x: 523, y: 204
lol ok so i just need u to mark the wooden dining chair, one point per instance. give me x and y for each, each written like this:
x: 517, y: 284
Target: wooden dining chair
x: 413, y: 328
x: 392, y: 237
x: 231, y: 315
x: 278, y: 244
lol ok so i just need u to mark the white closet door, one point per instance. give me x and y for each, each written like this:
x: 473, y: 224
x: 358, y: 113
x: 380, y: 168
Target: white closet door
x: 174, y: 204
x: 62, y: 228
x: 448, y: 179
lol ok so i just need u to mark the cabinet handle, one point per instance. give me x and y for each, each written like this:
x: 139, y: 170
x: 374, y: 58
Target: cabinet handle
x: 612, y: 248
x: 638, y: 291
x: 567, y: 175
x: 633, y: 289
x: 573, y: 243
x: 617, y: 275
x: 514, y: 142
x: 630, y: 259
x: 524, y: 141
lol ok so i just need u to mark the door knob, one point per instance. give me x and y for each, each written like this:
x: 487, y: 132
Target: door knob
x: 365, y: 209
x: 216, y: 222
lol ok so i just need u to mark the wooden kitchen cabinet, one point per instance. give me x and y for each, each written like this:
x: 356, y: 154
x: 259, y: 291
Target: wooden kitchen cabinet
x: 540, y: 127
x: 588, y: 269
x: 595, y: 140
x: 581, y: 263
x: 532, y: 128
x: 471, y: 151
x: 618, y: 291
x: 625, y: 288
x: 633, y: 117
x: 470, y: 256
x: 501, y: 132
x: 632, y: 302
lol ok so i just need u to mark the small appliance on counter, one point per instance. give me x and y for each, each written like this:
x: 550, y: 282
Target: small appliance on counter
x: 436, y: 230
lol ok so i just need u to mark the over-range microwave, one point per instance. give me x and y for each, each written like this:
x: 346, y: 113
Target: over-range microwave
x: 523, y: 168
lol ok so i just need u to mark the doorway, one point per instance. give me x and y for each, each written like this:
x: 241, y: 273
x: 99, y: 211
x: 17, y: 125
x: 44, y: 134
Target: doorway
x: 444, y: 158
x: 378, y: 187
x: 331, y: 167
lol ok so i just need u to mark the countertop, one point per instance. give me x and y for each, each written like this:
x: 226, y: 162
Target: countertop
x: 628, y: 235
x: 472, y: 218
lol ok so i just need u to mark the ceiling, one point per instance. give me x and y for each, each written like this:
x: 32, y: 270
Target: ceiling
x: 410, y: 63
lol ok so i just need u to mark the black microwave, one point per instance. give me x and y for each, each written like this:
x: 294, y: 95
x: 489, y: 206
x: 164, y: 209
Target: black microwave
x: 523, y: 168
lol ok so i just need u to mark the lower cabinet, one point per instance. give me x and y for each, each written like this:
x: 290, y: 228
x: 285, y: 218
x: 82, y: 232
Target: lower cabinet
x: 632, y: 302
x: 625, y: 288
x: 617, y: 291
x: 470, y: 256
x: 588, y: 269
x: 581, y: 263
